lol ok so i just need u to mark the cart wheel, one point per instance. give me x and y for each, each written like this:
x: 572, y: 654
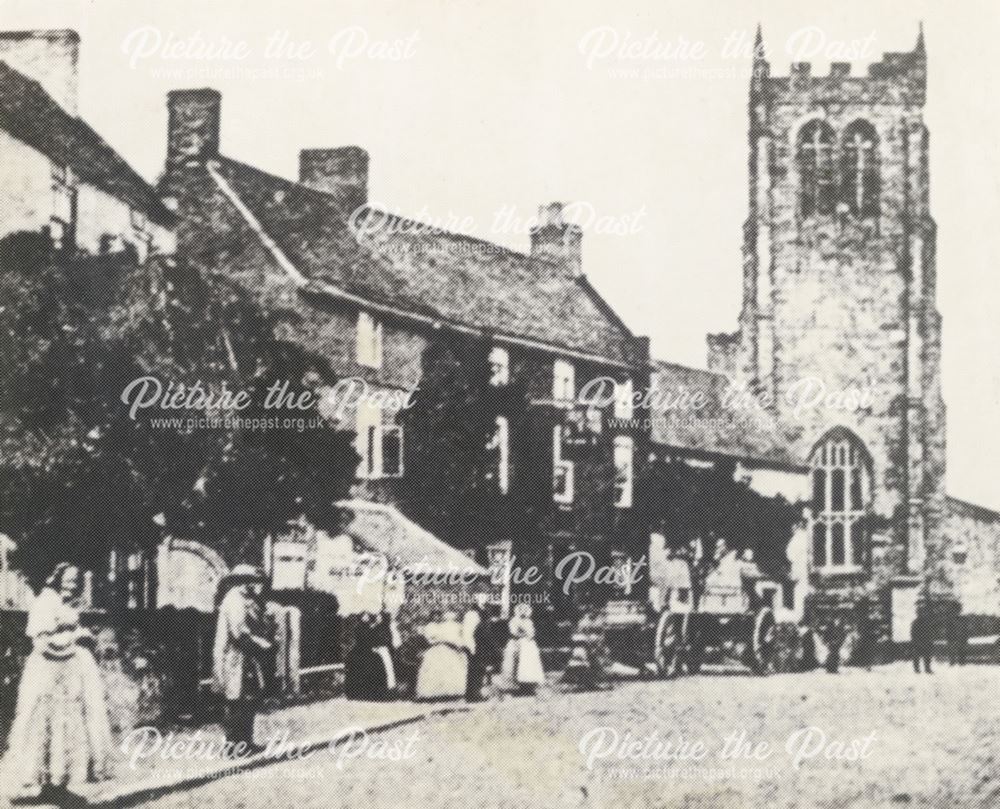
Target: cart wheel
x: 765, y: 631
x: 668, y: 644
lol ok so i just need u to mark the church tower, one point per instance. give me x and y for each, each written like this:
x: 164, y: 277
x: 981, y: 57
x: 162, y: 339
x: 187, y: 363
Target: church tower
x: 839, y: 333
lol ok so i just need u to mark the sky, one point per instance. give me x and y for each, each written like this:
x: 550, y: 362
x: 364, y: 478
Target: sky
x: 475, y: 113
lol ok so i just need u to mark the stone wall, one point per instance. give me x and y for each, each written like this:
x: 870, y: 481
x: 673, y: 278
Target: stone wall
x: 973, y: 534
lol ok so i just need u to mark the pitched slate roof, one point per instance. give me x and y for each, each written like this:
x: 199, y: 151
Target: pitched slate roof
x: 447, y: 276
x: 710, y: 424
x: 28, y: 113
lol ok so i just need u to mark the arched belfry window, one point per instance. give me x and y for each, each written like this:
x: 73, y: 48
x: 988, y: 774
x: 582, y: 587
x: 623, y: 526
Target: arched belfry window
x: 842, y: 490
x: 815, y: 159
x: 859, y: 173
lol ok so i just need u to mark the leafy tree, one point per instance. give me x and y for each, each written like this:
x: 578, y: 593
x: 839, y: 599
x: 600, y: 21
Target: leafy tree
x: 81, y: 473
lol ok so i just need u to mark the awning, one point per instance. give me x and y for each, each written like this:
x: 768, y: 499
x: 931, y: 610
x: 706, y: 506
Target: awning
x: 384, y: 529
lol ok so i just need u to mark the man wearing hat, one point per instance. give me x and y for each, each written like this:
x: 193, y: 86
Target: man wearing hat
x: 922, y: 637
x: 239, y: 641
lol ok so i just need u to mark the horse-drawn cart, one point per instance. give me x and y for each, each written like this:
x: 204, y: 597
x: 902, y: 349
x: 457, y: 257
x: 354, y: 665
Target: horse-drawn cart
x: 665, y: 636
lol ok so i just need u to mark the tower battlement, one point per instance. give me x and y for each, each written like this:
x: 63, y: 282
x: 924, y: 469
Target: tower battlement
x: 897, y: 78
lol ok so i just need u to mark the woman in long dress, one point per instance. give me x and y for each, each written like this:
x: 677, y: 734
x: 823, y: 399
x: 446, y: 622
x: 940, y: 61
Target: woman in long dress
x: 522, y: 662
x: 61, y: 736
x: 445, y: 664
x: 369, y: 669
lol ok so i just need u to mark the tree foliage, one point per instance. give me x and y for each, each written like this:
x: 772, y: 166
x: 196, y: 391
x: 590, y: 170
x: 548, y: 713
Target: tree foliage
x: 80, y: 475
x: 450, y: 485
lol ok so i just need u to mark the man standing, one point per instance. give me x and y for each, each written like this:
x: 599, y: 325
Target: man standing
x: 922, y: 639
x: 240, y: 639
x: 868, y: 639
x: 836, y: 634
x: 478, y: 632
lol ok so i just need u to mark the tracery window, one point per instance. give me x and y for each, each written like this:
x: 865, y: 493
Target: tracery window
x: 841, y: 477
x: 859, y: 173
x: 816, y: 168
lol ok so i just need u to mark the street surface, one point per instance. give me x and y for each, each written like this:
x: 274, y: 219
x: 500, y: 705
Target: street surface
x: 935, y: 745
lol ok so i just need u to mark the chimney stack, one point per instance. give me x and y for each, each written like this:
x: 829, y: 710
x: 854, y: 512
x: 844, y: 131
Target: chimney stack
x: 193, y: 125
x: 49, y: 57
x: 342, y: 172
x: 555, y: 242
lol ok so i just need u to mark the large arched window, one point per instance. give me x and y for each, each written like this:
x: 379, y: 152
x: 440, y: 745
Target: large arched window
x: 816, y: 174
x: 841, y: 477
x: 859, y: 173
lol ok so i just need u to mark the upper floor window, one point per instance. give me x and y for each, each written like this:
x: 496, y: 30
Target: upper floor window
x: 624, y: 399
x: 63, y: 202
x: 500, y: 444
x: 816, y: 171
x: 859, y: 172
x: 563, y: 381
x: 562, y: 470
x: 380, y: 445
x: 624, y: 471
x: 499, y: 366
x: 369, y: 341
x: 841, y: 477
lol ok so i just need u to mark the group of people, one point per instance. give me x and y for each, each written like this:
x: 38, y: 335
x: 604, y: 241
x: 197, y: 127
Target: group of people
x: 869, y: 641
x: 457, y: 659
x: 61, y: 736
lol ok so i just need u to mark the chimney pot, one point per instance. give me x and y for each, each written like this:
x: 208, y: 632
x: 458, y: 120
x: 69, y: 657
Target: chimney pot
x: 556, y: 243
x: 550, y: 214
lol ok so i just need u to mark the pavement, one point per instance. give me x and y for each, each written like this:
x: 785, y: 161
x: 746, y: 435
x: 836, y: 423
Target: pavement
x: 151, y: 763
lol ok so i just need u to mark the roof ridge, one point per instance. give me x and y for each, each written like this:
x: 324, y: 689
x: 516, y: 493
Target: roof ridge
x: 454, y: 234
x: 77, y: 138
x: 679, y: 366
x: 315, y: 252
x: 974, y: 506
x: 239, y: 164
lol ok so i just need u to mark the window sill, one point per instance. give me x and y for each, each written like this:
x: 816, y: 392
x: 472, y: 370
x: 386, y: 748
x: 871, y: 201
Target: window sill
x: 840, y: 570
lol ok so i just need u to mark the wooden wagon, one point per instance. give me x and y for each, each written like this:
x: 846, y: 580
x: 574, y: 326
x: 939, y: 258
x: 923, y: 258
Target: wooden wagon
x: 665, y: 636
